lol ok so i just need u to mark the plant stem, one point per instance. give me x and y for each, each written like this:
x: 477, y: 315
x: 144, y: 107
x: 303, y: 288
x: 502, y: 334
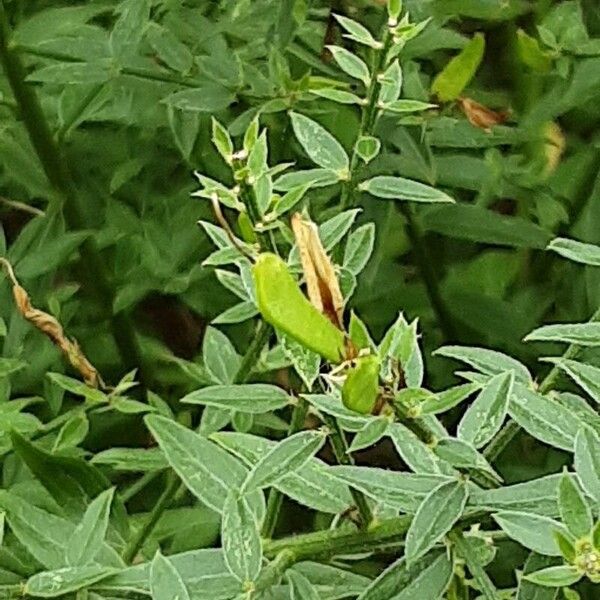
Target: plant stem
x: 138, y: 540
x: 273, y: 572
x: 58, y: 175
x: 275, y: 499
x: 137, y: 486
x: 367, y: 120
x: 511, y: 429
x: 339, y: 446
x: 327, y: 543
x: 428, y: 272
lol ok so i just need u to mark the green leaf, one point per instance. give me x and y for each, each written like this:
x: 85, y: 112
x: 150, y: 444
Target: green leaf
x: 582, y: 334
x: 86, y: 541
x: 335, y: 95
x: 370, y: 434
x: 308, y: 178
x: 391, y: 84
x: 357, y: 32
x: 367, y: 148
x: 574, y: 510
x: 50, y: 584
x: 184, y: 127
x: 532, y: 531
x: 586, y: 376
x: 558, y: 576
x: 169, y: 49
x: 283, y: 305
x: 426, y: 578
x: 436, y: 515
x: 414, y: 452
x: 478, y: 224
x: 398, y: 188
x: 208, y: 471
x: 587, y: 254
x: 530, y: 591
x: 587, y: 461
x: 443, y: 401
x: 485, y: 416
x: 301, y: 588
x: 222, y: 141
x: 74, y: 73
x: 312, y: 485
x: 463, y: 455
x: 488, y: 362
x: 538, y: 496
x: 449, y: 84
x: 219, y: 356
x: 132, y: 459
x: 350, y: 64
x: 130, y: 26
x: 165, y: 581
x: 531, y: 54
x: 72, y: 433
x: 251, y: 398
x: 399, y: 490
x: 408, y: 106
x: 544, y: 418
x: 286, y: 457
x: 240, y: 536
x: 210, y: 98
x: 320, y: 145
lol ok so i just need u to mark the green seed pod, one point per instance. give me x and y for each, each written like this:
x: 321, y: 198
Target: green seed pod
x: 361, y: 388
x: 283, y: 305
x: 246, y: 228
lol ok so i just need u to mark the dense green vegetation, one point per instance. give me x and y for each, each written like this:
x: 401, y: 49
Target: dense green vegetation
x: 301, y: 299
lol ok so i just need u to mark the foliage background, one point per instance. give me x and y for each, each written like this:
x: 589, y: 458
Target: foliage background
x: 108, y: 232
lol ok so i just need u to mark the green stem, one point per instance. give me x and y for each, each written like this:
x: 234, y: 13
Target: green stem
x: 339, y: 446
x: 367, y: 120
x: 137, y: 486
x: 275, y: 499
x: 429, y: 274
x: 511, y: 429
x: 58, y: 175
x: 329, y: 542
x: 147, y: 527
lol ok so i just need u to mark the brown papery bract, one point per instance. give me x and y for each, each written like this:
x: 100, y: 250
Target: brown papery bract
x: 49, y: 326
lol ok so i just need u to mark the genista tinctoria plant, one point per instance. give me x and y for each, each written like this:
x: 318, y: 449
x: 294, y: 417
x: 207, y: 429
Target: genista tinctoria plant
x: 289, y: 422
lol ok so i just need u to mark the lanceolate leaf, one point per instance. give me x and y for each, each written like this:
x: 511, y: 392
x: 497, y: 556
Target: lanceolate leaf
x: 165, y: 581
x: 207, y: 470
x: 530, y: 530
x: 284, y: 458
x: 398, y: 188
x: 240, y: 537
x: 427, y: 578
x: 485, y: 416
x: 583, y: 334
x: 86, y: 541
x: 588, y: 254
x: 50, y: 584
x: 436, y: 515
x: 587, y: 461
x: 574, y: 510
x: 251, y: 398
x: 587, y: 376
x: 319, y: 144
